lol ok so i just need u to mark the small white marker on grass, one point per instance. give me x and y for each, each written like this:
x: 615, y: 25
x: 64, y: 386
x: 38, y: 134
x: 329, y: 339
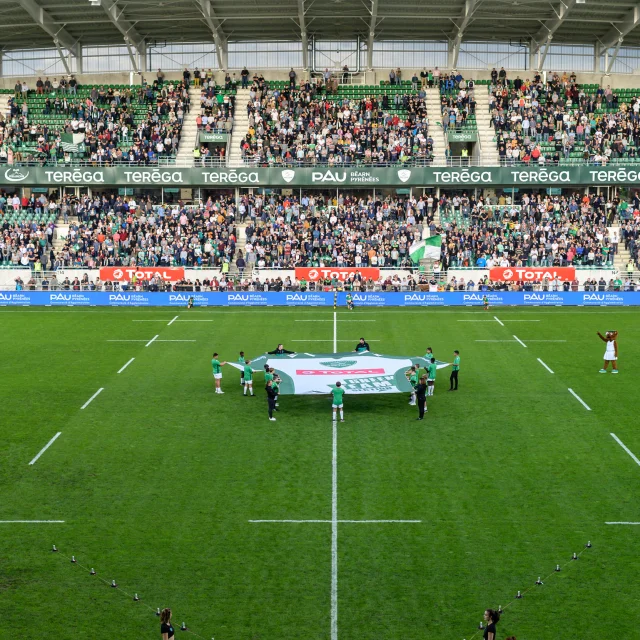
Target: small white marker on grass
x: 498, y: 321
x: 95, y: 395
x: 520, y: 341
x: 624, y: 446
x: 579, y: 399
x: 46, y: 446
x: 172, y: 321
x: 544, y: 365
x: 152, y: 340
x: 126, y: 365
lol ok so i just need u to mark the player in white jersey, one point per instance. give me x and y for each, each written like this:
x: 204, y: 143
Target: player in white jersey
x: 611, y: 352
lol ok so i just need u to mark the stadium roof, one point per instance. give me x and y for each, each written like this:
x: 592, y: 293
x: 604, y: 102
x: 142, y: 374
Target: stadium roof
x: 40, y: 23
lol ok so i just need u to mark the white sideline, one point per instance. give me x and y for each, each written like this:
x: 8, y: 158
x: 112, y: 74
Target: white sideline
x: 31, y: 521
x: 126, y: 365
x: 579, y: 399
x: 152, y: 340
x: 172, y: 321
x: 622, y: 444
x: 545, y: 366
x: 520, y: 341
x: 632, y: 523
x: 498, y: 321
x: 88, y: 402
x: 46, y: 446
x: 339, y: 521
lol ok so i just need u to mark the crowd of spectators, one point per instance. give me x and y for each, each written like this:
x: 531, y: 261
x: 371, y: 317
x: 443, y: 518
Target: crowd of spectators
x: 540, y: 231
x: 296, y: 126
x: 457, y: 100
x: 106, y: 121
x: 550, y: 122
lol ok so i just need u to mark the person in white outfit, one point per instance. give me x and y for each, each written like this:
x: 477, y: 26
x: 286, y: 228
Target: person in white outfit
x: 611, y: 352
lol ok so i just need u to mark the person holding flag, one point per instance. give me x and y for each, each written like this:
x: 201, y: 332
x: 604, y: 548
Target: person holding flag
x: 427, y: 249
x: 216, y: 365
x: 337, y: 392
x: 247, y: 377
x: 241, y: 362
x: 362, y: 346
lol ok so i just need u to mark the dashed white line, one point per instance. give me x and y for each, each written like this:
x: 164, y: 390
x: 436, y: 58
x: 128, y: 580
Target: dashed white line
x: 520, y: 341
x: 152, y: 340
x: 545, y: 366
x: 581, y: 401
x: 624, y: 446
x: 96, y: 394
x: 126, y: 365
x: 172, y: 321
x: 46, y: 446
x: 498, y: 321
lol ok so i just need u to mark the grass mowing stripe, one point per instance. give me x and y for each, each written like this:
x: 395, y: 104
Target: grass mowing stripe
x: 46, y: 446
x: 624, y: 446
x: 126, y: 365
x: 579, y: 399
x: 544, y: 365
x: 498, y: 321
x: 88, y: 402
x: 520, y: 341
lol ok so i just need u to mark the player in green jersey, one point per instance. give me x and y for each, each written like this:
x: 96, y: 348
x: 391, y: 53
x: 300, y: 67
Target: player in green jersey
x: 349, y: 302
x: 216, y: 365
x: 241, y: 361
x: 412, y: 375
x: 427, y: 357
x: 247, y: 376
x: 431, y: 377
x: 455, y: 368
x: 485, y: 303
x: 275, y: 378
x: 337, y: 392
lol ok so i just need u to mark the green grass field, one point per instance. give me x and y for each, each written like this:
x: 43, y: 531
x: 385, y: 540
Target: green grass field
x: 157, y: 478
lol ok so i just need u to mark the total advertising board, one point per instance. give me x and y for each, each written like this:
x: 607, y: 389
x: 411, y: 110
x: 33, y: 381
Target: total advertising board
x: 316, y: 299
x: 531, y: 274
x: 313, y: 274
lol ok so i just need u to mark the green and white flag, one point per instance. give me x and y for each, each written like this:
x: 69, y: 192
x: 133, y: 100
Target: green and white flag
x: 429, y: 248
x: 359, y: 373
x: 72, y: 142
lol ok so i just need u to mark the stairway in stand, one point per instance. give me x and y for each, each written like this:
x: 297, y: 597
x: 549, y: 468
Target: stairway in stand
x: 621, y: 259
x: 4, y: 104
x: 189, y: 135
x: 486, y: 133
x: 240, y: 127
x: 434, y: 113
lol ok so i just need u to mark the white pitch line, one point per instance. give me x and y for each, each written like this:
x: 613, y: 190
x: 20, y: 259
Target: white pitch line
x: 334, y: 534
x: 31, y: 521
x: 495, y: 341
x: 581, y: 401
x: 335, y: 331
x: 624, y: 446
x: 194, y: 320
x: 520, y: 341
x: 126, y: 365
x: 339, y: 521
x: 475, y: 321
x: 546, y: 340
x: 172, y: 321
x: 631, y: 523
x: 152, y: 340
x: 321, y: 320
x: 328, y: 340
x: 88, y: 402
x: 148, y: 321
x: 46, y: 446
x: 506, y: 320
x: 544, y: 365
x: 498, y: 321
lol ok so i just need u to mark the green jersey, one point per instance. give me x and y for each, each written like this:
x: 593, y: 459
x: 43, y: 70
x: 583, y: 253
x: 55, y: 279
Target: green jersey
x: 241, y: 360
x: 275, y: 387
x: 432, y: 371
x: 456, y: 363
x: 413, y: 378
x: 215, y: 364
x: 337, y: 393
x: 248, y: 373
x: 349, y: 298
x: 268, y: 376
x: 427, y: 357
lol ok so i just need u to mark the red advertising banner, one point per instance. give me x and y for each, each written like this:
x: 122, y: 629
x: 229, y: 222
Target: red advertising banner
x: 126, y: 274
x: 531, y: 274
x: 313, y: 274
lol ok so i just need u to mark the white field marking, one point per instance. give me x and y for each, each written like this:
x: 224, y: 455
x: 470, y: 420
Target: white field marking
x: 172, y: 321
x: 148, y: 321
x: 328, y: 340
x: 498, y: 321
x: 622, y: 444
x: 46, y: 446
x: 475, y: 321
x: 334, y: 532
x: 31, y: 521
x: 194, y: 320
x: 152, y: 340
x: 339, y: 521
x: 516, y: 320
x: 632, y: 523
x: 335, y: 331
x: 582, y: 402
x: 88, y: 402
x: 494, y: 340
x: 321, y: 320
x: 520, y: 341
x: 544, y: 365
x: 126, y: 365
x: 546, y: 340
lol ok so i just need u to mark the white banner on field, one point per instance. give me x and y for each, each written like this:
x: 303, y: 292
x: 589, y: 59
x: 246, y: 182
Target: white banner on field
x: 359, y: 373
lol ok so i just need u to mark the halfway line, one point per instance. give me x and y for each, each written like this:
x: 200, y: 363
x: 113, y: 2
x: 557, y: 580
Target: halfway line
x: 126, y: 365
x: 498, y: 321
x: 520, y: 341
x: 582, y: 402
x: 321, y: 320
x: 152, y: 340
x: 172, y: 321
x: 86, y: 404
x: 622, y: 444
x: 544, y: 365
x: 46, y: 446
x: 331, y: 521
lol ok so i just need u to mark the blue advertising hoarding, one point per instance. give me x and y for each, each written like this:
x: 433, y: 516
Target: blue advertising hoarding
x: 317, y: 299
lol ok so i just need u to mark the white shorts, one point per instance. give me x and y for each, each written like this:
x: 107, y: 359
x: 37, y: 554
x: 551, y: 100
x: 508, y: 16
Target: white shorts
x: 249, y: 382
x: 610, y: 354
x: 337, y: 406
x: 430, y: 381
x: 217, y: 376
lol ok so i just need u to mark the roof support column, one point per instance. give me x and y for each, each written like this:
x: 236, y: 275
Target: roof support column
x: 303, y: 35
x: 222, y: 46
x: 372, y: 33
x: 609, y: 60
